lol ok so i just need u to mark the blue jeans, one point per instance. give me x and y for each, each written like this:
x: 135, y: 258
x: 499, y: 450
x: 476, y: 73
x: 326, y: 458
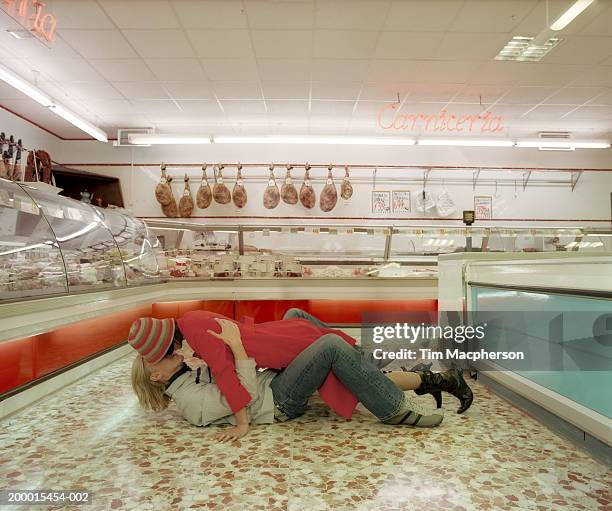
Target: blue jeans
x: 299, y: 313
x: 306, y: 373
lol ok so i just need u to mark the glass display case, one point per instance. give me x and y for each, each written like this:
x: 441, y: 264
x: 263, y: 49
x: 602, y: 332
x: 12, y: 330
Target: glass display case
x: 52, y: 245
x: 195, y: 250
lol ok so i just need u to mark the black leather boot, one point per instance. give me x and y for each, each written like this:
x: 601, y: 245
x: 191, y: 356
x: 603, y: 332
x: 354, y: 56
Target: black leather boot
x: 450, y: 381
x: 436, y: 394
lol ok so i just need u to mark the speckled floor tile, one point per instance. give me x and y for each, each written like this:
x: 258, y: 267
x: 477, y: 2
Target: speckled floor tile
x: 93, y: 436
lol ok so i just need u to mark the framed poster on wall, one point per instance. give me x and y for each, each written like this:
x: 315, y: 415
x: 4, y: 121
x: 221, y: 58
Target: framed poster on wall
x: 381, y: 202
x: 483, y: 207
x: 400, y: 201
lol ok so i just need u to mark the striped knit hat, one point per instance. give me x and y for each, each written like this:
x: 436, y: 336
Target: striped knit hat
x: 151, y: 337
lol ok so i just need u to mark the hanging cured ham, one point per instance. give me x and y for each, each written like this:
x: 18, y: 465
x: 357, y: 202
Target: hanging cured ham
x: 289, y: 193
x: 271, y: 196
x: 163, y: 191
x: 17, y: 166
x: 221, y: 192
x: 186, y: 203
x: 346, y: 188
x: 329, y: 195
x: 308, y: 197
x: 204, y: 194
x: 3, y: 171
x: 170, y: 209
x: 239, y: 194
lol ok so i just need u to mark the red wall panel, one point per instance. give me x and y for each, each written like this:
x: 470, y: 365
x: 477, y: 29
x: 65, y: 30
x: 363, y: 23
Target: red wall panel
x: 266, y: 310
x: 16, y: 363
x: 349, y: 311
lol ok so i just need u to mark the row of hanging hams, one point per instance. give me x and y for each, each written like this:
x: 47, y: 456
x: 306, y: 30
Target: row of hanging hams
x: 221, y: 194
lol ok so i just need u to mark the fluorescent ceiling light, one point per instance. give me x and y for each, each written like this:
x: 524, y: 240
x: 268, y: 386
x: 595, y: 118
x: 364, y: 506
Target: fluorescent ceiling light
x: 564, y: 144
x: 155, y: 139
x: 23, y: 86
x: 79, y: 122
x: 465, y: 142
x: 568, y: 16
x: 331, y: 140
x: 527, y: 49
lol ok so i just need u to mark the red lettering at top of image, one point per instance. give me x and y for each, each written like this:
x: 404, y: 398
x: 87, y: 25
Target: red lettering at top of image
x: 442, y: 122
x: 32, y: 16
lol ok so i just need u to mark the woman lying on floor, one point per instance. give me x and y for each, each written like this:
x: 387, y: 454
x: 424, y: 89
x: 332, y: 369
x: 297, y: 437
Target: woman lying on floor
x: 302, y: 355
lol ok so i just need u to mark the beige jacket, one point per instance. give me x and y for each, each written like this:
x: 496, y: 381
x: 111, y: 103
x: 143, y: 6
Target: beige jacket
x: 202, y: 403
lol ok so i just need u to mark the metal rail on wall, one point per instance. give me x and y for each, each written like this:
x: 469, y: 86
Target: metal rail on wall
x: 424, y: 172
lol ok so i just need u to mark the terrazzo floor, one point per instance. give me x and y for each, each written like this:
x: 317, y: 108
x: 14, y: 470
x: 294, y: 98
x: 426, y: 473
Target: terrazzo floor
x: 92, y: 435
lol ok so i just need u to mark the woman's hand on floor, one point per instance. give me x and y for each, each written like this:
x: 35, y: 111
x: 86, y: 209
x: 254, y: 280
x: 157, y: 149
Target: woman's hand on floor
x: 232, y: 434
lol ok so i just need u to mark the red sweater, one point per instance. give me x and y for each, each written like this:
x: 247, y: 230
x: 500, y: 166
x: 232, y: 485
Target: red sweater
x: 273, y: 344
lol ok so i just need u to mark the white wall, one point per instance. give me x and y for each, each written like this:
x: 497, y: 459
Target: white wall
x: 588, y: 204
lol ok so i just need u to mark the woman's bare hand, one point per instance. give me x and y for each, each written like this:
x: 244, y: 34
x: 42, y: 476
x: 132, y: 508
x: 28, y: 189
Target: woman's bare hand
x: 230, y: 333
x: 233, y: 433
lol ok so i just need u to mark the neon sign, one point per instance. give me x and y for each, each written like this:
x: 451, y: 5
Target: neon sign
x: 30, y: 15
x: 442, y: 122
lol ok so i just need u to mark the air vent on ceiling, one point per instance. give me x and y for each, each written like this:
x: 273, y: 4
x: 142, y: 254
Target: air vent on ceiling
x: 124, y: 133
x: 556, y: 136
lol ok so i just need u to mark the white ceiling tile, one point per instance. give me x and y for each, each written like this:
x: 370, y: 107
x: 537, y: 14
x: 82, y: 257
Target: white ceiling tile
x: 284, y: 69
x: 141, y: 90
x: 547, y: 112
x: 352, y: 15
x: 237, y: 90
x: 177, y: 69
x: 470, y: 46
x: 604, y: 98
x: 526, y: 73
x: 243, y: 107
x: 527, y: 95
x: 84, y: 14
x: 597, y: 76
x: 160, y: 43
x: 434, y: 15
x: 99, y: 44
x: 150, y: 15
x: 231, y: 69
x: 286, y: 90
x: 280, y: 15
x: 32, y: 49
x: 584, y: 50
x: 408, y: 45
x: 335, y: 90
x: 221, y: 43
x: 592, y: 112
x: 370, y: 109
x: 431, y: 92
x: 391, y: 71
x: 601, y: 24
x: 200, y: 106
x: 347, y: 70
x: 341, y: 44
x: 211, y: 13
x: 108, y: 107
x: 575, y: 95
x: 485, y: 94
x: 287, y: 107
x: 155, y: 106
x: 535, y: 21
x: 445, y: 72
x: 66, y: 70
x: 491, y: 16
x: 323, y: 107
x: 282, y: 43
x: 381, y: 91
x: 126, y: 70
x: 188, y: 90
x: 90, y: 90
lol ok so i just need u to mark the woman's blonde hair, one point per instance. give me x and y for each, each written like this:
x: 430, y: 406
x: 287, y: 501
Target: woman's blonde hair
x: 150, y: 394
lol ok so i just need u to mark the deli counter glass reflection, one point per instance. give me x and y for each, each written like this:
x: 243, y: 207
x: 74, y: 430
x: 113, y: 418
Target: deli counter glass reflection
x: 203, y: 251
x: 52, y: 245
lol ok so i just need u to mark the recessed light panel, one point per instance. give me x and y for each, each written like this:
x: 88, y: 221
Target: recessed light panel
x: 523, y: 49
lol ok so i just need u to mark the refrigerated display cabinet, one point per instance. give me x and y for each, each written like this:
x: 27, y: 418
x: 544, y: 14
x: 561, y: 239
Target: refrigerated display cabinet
x: 52, y: 245
x: 196, y: 250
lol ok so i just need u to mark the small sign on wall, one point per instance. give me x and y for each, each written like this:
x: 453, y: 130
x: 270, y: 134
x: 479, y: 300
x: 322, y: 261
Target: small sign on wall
x: 400, y: 201
x: 381, y: 202
x: 483, y: 207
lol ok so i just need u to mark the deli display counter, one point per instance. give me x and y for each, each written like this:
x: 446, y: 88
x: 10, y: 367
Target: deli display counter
x: 52, y: 245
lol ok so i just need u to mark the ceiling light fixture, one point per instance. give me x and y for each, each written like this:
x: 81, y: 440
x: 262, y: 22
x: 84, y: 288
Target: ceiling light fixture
x: 572, y: 13
x: 80, y: 123
x: 288, y: 139
x: 159, y: 139
x: 527, y: 49
x: 564, y: 144
x: 467, y: 142
x: 23, y: 86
